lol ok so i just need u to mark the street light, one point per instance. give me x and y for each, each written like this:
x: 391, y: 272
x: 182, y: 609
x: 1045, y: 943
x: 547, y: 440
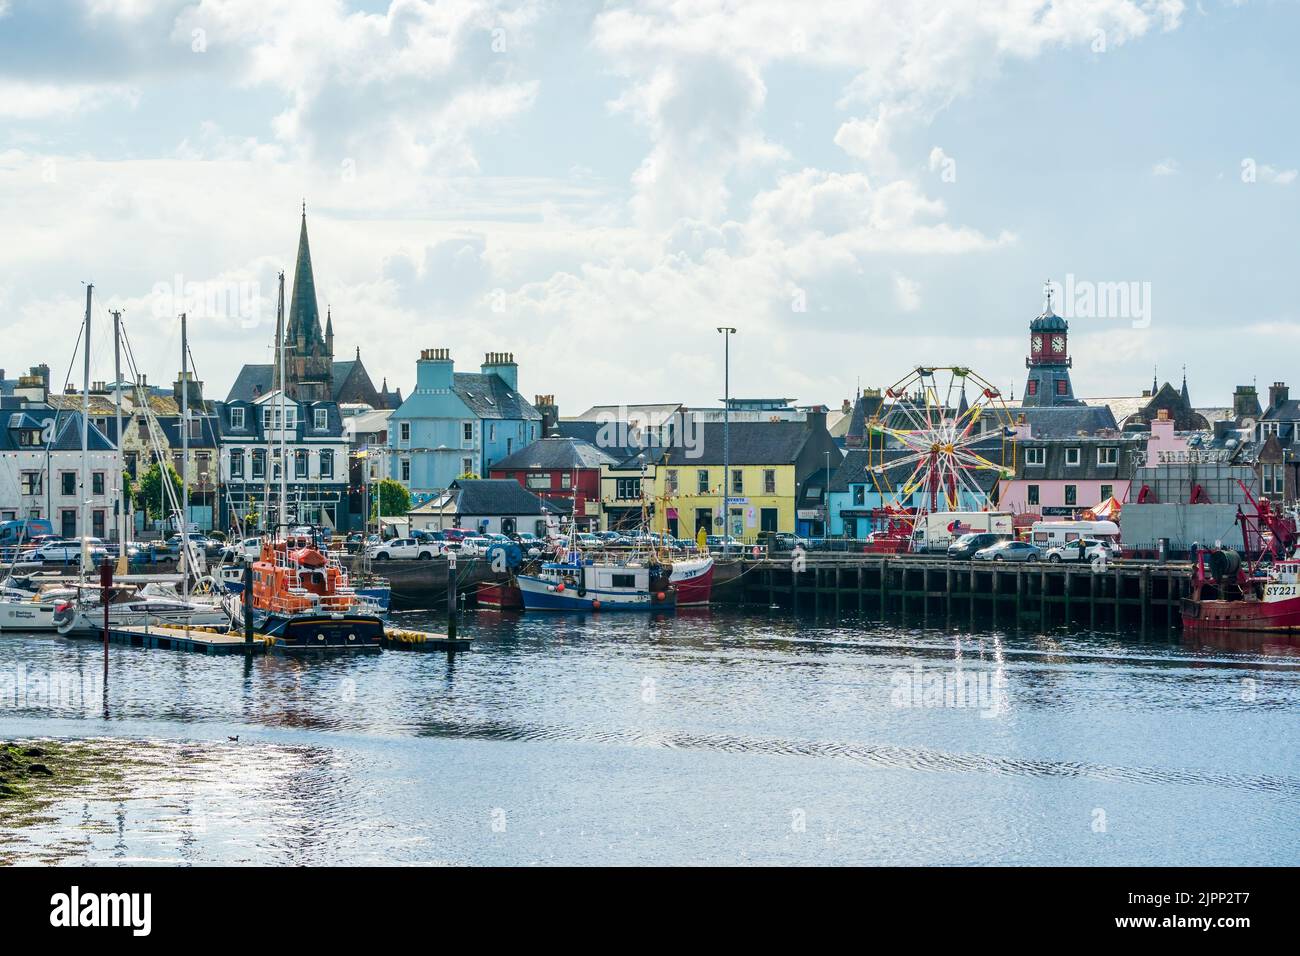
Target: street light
x: 727, y: 332
x: 826, y: 501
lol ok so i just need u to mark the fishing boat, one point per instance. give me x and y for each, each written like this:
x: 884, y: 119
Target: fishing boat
x: 1233, y: 593
x: 302, y: 600
x: 500, y: 595
x: 575, y: 583
x: 692, y: 576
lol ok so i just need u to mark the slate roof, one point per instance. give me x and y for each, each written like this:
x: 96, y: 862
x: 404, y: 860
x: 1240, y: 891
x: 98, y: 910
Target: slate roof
x: 252, y: 381
x: 67, y: 438
x: 555, y: 454
x: 752, y: 443
x: 252, y: 430
x: 1065, y: 421
x: 488, y: 396
x: 488, y: 496
x: 590, y: 432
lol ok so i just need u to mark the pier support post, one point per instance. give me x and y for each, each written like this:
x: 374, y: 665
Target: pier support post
x: 451, y: 595
x: 248, y: 603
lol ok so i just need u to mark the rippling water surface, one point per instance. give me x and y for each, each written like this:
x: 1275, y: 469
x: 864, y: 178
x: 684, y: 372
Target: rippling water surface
x: 711, y: 737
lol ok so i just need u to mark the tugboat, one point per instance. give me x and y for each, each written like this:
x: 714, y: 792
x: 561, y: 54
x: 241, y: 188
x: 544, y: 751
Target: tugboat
x: 303, y: 600
x: 1229, y: 594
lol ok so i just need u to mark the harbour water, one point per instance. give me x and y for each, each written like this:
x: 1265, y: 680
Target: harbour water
x: 711, y: 737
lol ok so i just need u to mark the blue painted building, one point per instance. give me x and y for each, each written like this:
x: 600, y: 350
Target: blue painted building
x: 860, y: 484
x: 458, y: 423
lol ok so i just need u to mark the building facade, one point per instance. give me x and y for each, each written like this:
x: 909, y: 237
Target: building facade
x: 565, y: 472
x: 458, y: 424
x: 315, y: 464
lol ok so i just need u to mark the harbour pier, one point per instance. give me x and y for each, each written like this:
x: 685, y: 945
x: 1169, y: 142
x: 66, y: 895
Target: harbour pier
x: 1125, y: 595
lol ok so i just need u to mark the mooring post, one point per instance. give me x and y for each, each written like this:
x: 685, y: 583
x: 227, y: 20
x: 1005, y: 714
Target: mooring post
x: 248, y: 602
x: 106, y: 584
x: 451, y: 595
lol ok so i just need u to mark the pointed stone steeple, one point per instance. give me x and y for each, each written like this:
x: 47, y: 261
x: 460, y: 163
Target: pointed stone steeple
x: 304, y: 315
x: 1187, y: 399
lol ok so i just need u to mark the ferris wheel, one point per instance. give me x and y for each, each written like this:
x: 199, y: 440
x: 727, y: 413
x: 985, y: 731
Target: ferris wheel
x: 943, y: 428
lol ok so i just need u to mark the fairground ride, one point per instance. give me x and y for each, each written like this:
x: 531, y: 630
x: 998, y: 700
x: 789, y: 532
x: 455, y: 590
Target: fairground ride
x: 948, y: 431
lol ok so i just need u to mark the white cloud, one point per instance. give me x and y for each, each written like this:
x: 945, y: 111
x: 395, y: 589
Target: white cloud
x: 1166, y: 167
x: 907, y: 293
x: 1280, y: 177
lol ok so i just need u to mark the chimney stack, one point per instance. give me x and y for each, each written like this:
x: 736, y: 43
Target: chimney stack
x: 1278, y: 393
x: 550, y: 412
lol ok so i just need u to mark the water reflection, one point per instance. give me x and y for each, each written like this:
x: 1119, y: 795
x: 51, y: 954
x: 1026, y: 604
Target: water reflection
x: 587, y: 734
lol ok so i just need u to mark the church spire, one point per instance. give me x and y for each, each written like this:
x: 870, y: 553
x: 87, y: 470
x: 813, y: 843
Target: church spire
x: 304, y: 315
x: 1187, y: 399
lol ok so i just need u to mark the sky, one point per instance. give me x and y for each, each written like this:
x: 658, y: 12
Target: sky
x: 858, y: 188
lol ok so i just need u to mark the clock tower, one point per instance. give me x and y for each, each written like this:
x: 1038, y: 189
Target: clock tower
x: 1049, y: 360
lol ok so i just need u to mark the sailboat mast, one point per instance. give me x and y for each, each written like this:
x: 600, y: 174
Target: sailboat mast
x: 185, y: 457
x: 85, y: 442
x: 121, y: 462
x: 284, y: 464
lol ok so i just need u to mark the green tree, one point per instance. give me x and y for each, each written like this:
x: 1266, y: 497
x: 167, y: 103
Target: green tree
x: 149, y: 496
x: 389, y: 497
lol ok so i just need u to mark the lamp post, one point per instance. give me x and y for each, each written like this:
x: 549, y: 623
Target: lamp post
x: 727, y: 333
x: 826, y: 501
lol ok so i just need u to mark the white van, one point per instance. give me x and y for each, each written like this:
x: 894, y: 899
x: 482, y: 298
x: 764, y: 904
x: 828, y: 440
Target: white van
x: 941, y: 528
x: 1051, y: 534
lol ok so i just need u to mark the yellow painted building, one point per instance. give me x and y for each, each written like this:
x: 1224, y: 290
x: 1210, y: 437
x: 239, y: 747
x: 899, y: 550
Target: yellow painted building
x: 776, y: 482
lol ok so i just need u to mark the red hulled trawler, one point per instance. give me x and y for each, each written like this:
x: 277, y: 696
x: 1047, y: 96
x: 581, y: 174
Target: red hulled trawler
x: 1230, y: 593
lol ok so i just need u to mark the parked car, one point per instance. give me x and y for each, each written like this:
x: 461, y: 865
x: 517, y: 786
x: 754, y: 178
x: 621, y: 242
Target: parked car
x: 249, y: 549
x: 781, y: 540
x: 64, y: 552
x: 715, y: 543
x: 1092, y: 548
x: 209, y: 547
x: 456, y: 534
x: 407, y: 548
x: 474, y: 547
x: 964, y: 548
x: 1009, y: 551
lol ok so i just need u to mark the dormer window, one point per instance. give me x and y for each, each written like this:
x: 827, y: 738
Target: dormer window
x: 1107, y: 456
x: 1035, y: 456
x: 237, y: 418
x: 322, y: 419
x: 1072, y: 457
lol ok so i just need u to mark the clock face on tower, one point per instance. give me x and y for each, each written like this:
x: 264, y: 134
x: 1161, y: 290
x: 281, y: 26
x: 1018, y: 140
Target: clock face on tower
x: 1058, y: 344
x: 1036, y: 343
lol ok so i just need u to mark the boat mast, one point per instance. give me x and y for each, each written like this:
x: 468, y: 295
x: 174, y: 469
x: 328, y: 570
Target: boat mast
x: 121, y: 461
x: 85, y: 443
x: 185, y: 461
x: 284, y: 464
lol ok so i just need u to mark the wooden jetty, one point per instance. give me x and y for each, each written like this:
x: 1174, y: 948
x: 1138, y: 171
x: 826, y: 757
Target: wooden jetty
x: 194, y: 639
x: 1125, y: 595
x: 400, y: 639
x: 214, y: 640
